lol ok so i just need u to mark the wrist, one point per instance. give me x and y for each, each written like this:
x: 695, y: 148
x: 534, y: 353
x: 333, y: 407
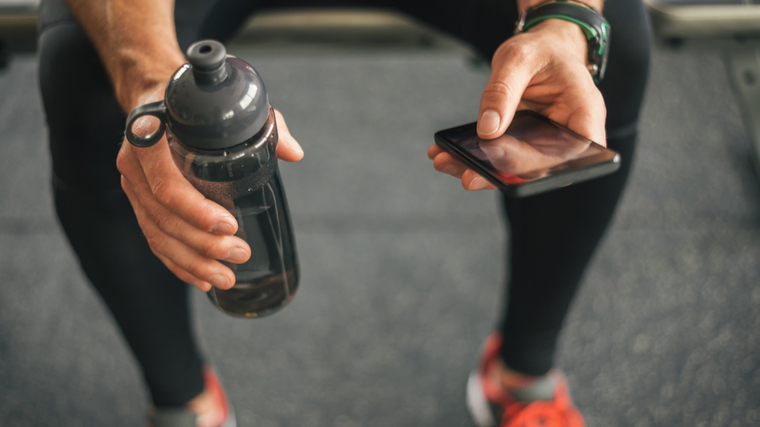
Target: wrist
x: 565, y: 35
x: 143, y: 80
x: 595, y: 29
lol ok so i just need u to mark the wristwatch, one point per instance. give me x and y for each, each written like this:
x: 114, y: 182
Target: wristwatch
x: 594, y: 26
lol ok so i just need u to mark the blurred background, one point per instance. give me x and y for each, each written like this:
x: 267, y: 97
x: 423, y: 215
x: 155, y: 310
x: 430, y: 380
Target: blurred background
x: 402, y: 269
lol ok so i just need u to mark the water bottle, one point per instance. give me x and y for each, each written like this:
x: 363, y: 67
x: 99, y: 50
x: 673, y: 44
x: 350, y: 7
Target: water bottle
x: 222, y: 135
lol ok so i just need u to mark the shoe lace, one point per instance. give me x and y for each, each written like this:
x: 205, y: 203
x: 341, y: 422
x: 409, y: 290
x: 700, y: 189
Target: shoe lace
x: 541, y: 414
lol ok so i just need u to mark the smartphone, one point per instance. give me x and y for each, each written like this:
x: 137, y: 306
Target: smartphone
x: 535, y: 155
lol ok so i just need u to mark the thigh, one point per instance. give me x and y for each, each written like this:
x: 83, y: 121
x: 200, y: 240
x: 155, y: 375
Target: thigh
x: 628, y: 67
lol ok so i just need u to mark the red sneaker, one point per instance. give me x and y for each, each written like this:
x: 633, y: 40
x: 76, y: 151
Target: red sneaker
x: 491, y: 406
x: 221, y: 415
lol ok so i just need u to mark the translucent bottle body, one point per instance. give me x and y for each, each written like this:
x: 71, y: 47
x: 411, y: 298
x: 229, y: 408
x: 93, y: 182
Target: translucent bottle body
x: 246, y: 181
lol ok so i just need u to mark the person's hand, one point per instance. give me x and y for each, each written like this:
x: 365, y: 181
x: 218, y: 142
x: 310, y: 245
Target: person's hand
x: 543, y: 70
x: 186, y: 231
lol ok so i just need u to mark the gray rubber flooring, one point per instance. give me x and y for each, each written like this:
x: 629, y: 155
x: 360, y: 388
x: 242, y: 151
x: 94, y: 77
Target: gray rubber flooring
x: 402, y: 269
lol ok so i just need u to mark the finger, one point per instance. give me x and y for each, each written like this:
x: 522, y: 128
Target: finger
x: 447, y: 164
x: 183, y: 275
x: 201, y: 268
x: 433, y: 151
x: 229, y: 248
x: 513, y: 67
x: 471, y: 181
x: 152, y: 171
x: 288, y: 148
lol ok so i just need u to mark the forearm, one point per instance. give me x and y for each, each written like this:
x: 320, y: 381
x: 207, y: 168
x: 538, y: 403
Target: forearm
x: 136, y: 41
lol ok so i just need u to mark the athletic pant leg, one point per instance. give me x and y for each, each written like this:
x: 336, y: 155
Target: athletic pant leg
x: 86, y: 128
x: 553, y: 235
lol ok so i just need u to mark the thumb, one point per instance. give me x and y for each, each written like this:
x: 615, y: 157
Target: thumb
x: 288, y: 149
x: 501, y: 97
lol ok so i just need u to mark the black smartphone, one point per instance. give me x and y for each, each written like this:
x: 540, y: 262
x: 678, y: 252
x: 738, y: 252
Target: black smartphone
x: 535, y: 155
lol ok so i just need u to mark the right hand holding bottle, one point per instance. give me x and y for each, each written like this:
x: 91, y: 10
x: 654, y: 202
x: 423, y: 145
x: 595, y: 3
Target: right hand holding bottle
x: 186, y: 231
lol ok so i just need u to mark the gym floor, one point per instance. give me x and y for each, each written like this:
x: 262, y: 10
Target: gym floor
x: 402, y: 269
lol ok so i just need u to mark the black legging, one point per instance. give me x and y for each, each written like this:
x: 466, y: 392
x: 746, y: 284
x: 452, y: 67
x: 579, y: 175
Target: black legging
x: 552, y: 236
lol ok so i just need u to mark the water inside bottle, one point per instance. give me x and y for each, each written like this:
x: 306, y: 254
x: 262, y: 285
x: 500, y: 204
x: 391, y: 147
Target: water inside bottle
x: 269, y: 279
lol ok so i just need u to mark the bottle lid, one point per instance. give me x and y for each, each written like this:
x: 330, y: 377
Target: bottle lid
x: 215, y: 101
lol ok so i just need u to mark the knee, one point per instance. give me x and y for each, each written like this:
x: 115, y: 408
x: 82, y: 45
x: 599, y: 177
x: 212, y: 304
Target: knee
x: 61, y: 48
x: 70, y: 73
x: 85, y: 123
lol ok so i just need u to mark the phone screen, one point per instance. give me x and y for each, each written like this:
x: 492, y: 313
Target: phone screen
x: 533, y: 147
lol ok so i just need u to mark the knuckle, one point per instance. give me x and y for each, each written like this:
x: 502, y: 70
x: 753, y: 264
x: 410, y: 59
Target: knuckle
x: 207, y: 205
x: 165, y: 221
x: 181, y: 274
x: 124, y: 184
x: 156, y: 253
x: 198, y: 269
x: 162, y: 191
x: 498, y: 89
x: 212, y: 248
x: 515, y: 51
x: 121, y: 161
x: 157, y: 243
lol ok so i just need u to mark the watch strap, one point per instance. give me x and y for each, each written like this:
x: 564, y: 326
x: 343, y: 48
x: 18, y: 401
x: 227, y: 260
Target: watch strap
x: 595, y: 28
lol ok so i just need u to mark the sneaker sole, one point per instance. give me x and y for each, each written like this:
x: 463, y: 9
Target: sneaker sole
x: 477, y: 403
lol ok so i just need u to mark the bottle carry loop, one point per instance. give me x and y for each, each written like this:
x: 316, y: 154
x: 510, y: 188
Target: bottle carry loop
x: 155, y: 109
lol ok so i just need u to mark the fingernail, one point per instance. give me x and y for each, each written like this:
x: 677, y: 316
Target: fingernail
x: 223, y: 228
x: 449, y: 169
x: 296, y: 146
x: 489, y: 122
x: 478, y: 184
x: 293, y: 144
x: 237, y: 255
x: 219, y: 281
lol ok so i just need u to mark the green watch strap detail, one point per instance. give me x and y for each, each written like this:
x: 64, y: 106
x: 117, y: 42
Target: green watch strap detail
x: 588, y: 31
x: 605, y: 30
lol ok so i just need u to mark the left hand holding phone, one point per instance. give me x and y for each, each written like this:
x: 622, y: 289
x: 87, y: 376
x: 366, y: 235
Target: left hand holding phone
x: 544, y: 70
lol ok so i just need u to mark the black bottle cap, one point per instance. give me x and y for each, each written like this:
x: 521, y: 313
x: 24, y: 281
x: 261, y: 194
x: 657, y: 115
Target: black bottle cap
x: 215, y: 101
x: 208, y: 60
x: 206, y: 55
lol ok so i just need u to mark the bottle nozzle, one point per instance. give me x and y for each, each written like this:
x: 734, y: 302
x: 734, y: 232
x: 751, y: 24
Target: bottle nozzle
x: 208, y: 58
